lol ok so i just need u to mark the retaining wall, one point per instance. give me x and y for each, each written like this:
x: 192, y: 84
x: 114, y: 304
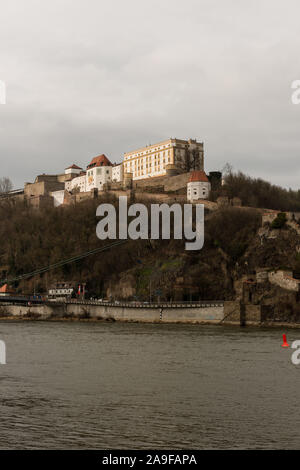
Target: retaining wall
x: 245, y: 314
x: 211, y: 313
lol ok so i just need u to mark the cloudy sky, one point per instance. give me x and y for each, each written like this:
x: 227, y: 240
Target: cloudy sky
x: 86, y: 77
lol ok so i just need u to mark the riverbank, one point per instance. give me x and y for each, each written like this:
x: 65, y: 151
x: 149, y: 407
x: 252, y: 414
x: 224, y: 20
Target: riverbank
x: 73, y: 319
x: 77, y: 319
x: 206, y: 312
x: 201, y: 313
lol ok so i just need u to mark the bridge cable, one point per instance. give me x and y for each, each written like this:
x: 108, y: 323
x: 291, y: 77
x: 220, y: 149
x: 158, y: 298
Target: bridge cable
x: 62, y: 263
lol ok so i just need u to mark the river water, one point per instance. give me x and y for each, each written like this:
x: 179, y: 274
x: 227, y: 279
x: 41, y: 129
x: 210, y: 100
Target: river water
x: 138, y: 386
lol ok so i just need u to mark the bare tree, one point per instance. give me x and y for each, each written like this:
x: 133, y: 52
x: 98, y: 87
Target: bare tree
x: 227, y: 169
x: 5, y: 185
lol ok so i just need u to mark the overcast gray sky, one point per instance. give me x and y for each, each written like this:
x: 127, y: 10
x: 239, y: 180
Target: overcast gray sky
x: 90, y: 77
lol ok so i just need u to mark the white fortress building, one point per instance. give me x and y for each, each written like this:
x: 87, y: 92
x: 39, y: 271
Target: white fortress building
x: 145, y: 162
x: 154, y: 160
x: 99, y: 172
x: 198, y: 186
x: 167, y: 158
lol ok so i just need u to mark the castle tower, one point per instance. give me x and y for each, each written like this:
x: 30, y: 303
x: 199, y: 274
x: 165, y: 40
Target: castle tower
x: 198, y: 186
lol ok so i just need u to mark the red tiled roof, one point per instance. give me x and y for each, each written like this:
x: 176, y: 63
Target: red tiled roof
x: 198, y: 176
x: 101, y: 160
x: 73, y: 167
x: 5, y: 289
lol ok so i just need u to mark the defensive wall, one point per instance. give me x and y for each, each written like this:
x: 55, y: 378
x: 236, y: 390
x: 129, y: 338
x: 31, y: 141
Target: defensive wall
x: 167, y: 183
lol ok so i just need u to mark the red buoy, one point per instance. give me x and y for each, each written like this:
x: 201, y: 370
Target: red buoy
x: 285, y: 343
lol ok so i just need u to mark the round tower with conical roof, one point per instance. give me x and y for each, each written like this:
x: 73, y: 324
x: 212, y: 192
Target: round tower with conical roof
x: 198, y: 186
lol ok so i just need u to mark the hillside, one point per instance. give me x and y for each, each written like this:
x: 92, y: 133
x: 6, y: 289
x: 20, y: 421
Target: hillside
x: 140, y: 269
x: 32, y: 239
x: 255, y: 192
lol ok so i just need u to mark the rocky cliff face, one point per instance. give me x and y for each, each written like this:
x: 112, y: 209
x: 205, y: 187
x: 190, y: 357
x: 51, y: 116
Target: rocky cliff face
x: 121, y: 287
x: 233, y: 253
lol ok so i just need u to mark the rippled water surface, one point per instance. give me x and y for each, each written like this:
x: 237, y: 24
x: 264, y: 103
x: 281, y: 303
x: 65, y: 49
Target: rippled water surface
x: 134, y: 386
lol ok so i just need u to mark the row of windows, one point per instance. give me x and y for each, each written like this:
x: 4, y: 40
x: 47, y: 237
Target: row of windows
x: 182, y: 146
x: 98, y: 171
x: 157, y: 149
x: 147, y: 156
x: 139, y: 164
x: 195, y: 192
x: 60, y: 291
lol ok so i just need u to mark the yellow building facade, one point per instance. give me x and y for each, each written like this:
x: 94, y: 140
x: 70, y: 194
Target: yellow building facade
x: 152, y: 160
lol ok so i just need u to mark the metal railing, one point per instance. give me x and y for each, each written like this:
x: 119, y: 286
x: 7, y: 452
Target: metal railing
x: 139, y: 304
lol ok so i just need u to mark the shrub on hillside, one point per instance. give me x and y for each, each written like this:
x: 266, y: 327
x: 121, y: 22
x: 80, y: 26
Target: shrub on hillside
x: 280, y: 221
x: 232, y: 230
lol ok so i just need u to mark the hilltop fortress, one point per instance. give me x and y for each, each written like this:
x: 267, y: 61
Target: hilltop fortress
x: 171, y: 167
